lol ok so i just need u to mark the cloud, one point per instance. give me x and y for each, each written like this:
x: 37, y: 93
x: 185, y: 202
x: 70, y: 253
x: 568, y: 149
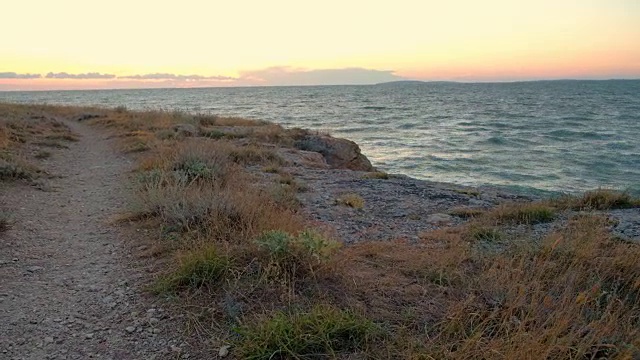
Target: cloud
x: 284, y: 75
x: 165, y: 76
x: 12, y: 75
x: 91, y: 75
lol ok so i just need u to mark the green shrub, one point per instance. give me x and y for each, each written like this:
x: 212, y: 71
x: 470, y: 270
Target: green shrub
x: 16, y: 169
x: 323, y: 332
x: 294, y: 258
x: 487, y: 234
x: 198, y: 268
x: 531, y: 213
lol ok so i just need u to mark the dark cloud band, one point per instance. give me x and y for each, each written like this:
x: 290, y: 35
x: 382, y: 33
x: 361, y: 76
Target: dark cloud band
x: 165, y: 76
x: 91, y: 75
x: 12, y: 75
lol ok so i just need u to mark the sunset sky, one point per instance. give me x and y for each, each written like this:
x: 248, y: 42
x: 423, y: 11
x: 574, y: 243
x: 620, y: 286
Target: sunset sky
x: 70, y: 44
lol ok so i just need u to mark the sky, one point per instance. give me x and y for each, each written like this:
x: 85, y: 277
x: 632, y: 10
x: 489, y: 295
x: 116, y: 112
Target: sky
x: 82, y: 44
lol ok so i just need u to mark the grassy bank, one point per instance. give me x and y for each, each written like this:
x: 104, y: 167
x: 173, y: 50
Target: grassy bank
x: 249, y: 270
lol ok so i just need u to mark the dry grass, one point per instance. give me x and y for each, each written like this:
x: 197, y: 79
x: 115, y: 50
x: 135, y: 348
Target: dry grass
x: 24, y: 131
x: 522, y: 213
x: 576, y: 296
x: 251, y: 271
x: 351, y: 200
x: 600, y: 199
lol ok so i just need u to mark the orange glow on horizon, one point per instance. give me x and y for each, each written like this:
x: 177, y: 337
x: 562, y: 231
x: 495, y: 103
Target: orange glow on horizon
x: 493, y: 40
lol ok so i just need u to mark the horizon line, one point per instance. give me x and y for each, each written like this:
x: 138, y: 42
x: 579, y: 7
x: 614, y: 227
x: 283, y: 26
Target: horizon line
x: 328, y: 85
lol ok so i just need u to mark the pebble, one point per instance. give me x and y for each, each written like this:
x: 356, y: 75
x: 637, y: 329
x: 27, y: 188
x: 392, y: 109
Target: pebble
x: 130, y: 329
x: 224, y: 351
x: 32, y: 269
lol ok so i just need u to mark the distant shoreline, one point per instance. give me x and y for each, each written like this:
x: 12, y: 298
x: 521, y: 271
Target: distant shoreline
x: 398, y: 82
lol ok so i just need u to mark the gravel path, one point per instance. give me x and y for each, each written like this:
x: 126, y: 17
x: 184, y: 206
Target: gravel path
x: 69, y: 287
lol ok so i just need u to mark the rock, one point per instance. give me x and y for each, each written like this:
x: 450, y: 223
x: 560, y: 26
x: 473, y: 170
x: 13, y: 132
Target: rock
x: 32, y: 269
x: 307, y: 159
x: 224, y: 351
x: 130, y: 329
x: 186, y: 129
x: 88, y: 336
x: 48, y: 340
x: 439, y: 219
x: 338, y: 153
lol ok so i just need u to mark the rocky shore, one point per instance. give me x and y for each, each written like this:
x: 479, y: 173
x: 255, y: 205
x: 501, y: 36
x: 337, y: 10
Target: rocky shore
x: 398, y: 207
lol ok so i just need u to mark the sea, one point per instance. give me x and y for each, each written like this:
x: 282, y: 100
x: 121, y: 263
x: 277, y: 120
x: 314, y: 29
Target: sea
x: 539, y: 137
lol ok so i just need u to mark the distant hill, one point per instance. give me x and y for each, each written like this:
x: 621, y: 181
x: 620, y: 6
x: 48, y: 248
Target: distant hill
x: 402, y: 82
x: 415, y: 82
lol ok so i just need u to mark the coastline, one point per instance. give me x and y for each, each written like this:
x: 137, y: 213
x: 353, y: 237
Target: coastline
x: 243, y: 233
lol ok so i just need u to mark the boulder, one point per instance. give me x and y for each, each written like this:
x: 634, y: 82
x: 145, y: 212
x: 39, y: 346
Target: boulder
x: 307, y: 159
x: 339, y: 153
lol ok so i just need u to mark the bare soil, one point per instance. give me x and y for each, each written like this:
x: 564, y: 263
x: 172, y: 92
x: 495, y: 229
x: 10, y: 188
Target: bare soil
x: 70, y: 287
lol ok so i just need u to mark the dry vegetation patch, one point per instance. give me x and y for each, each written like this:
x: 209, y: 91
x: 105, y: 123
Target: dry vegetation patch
x: 250, y: 270
x: 25, y: 132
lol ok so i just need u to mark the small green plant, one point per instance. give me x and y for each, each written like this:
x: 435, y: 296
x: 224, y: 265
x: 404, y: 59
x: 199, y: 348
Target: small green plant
x: 323, y: 332
x: 285, y: 196
x: 531, y: 213
x: 16, y: 169
x: 198, y: 268
x: 486, y: 234
x: 352, y: 200
x: 295, y: 257
x: 193, y: 168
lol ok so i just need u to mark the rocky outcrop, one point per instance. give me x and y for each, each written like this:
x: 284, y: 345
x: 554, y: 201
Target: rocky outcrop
x: 339, y: 153
x: 305, y: 159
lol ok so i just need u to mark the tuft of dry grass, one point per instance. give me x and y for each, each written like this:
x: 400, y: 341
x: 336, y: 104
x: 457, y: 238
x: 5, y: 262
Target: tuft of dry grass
x: 523, y: 213
x: 351, y: 200
x: 600, y: 199
x: 321, y: 332
x: 24, y: 129
x: 467, y: 212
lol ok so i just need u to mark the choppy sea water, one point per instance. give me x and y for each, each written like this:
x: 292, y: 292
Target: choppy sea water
x: 565, y: 136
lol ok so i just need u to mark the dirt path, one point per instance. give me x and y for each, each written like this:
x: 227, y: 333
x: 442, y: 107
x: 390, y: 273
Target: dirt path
x: 69, y: 289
